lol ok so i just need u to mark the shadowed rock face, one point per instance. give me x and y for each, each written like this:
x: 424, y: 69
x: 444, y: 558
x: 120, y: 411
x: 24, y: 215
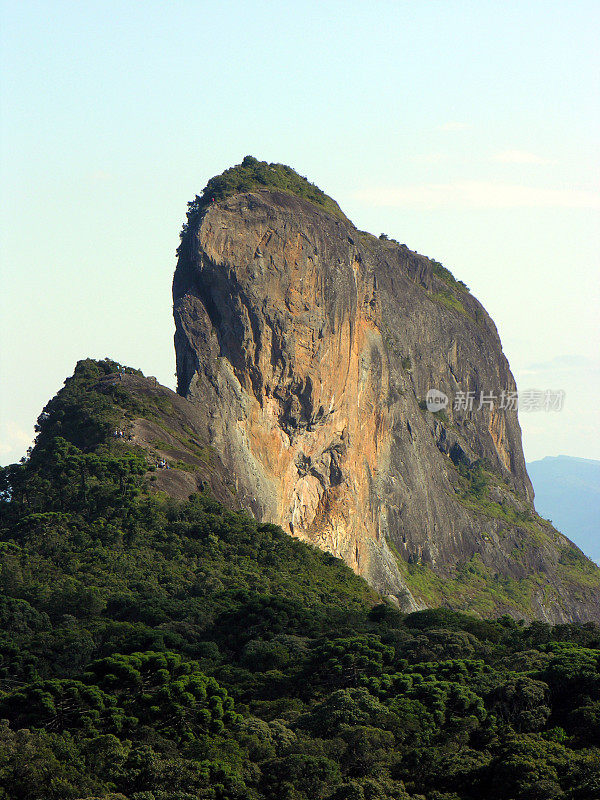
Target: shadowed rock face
x: 308, y: 348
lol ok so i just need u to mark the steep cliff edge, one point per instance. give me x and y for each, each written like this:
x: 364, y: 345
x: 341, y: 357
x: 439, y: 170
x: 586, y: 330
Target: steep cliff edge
x: 308, y: 348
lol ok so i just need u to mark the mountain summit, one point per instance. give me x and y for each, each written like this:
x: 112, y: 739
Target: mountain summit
x: 159, y: 643
x: 308, y: 349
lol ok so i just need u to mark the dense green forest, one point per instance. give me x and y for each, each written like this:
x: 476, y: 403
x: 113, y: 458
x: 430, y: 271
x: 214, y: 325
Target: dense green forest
x: 152, y: 649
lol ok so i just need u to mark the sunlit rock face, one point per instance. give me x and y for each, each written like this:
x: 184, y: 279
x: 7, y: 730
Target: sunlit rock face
x: 309, y: 348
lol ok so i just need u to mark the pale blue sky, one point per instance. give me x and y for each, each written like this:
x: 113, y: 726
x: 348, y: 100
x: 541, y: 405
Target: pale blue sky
x: 467, y: 130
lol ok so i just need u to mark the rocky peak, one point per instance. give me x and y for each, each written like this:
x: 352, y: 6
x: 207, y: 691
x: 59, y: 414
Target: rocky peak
x: 308, y: 348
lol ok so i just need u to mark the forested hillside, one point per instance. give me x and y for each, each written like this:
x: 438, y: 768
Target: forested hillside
x: 155, y: 649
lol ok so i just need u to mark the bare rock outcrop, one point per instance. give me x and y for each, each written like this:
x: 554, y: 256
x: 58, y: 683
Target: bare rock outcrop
x: 307, y: 348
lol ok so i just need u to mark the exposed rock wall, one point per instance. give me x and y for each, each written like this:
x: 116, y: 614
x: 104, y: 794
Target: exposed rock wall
x: 308, y: 348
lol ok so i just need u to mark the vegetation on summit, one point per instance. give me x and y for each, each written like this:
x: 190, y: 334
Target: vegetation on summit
x: 152, y: 649
x: 254, y: 175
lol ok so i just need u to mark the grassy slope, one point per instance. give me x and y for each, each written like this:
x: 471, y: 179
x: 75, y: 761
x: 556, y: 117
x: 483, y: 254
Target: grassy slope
x: 477, y: 588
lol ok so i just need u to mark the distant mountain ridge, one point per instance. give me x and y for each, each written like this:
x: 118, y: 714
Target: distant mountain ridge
x: 567, y: 491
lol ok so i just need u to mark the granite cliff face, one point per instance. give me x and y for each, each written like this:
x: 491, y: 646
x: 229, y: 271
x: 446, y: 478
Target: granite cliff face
x: 308, y: 348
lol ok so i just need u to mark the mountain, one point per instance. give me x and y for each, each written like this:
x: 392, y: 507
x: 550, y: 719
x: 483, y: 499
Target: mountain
x: 308, y: 349
x: 567, y: 491
x: 155, y: 648
x: 160, y: 642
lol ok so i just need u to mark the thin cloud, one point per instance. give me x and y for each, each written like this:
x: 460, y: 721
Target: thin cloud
x: 454, y: 126
x: 520, y: 157
x: 428, y: 158
x: 570, y: 363
x: 14, y: 439
x: 477, y: 194
x: 100, y: 176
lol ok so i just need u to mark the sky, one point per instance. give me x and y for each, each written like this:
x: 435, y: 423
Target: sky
x: 467, y: 130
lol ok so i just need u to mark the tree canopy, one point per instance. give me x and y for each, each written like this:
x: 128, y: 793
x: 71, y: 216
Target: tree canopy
x: 152, y: 649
